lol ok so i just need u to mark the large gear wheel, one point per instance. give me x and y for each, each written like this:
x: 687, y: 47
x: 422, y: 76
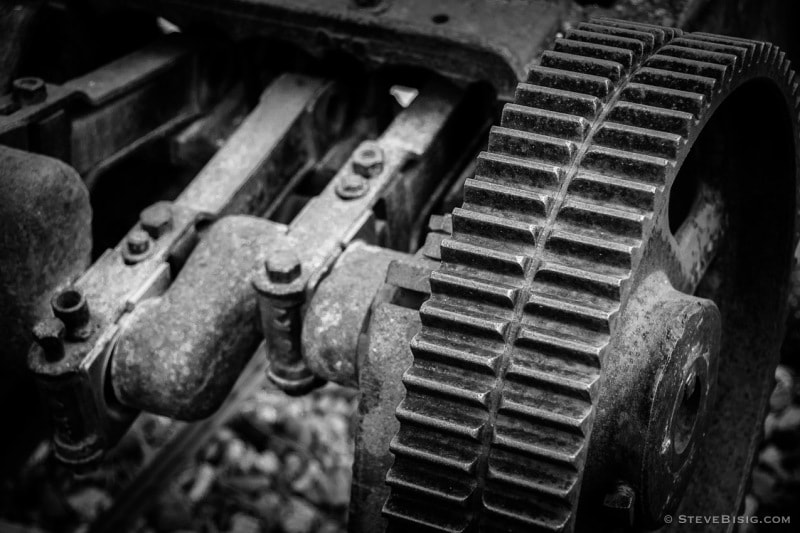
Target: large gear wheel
x: 605, y: 323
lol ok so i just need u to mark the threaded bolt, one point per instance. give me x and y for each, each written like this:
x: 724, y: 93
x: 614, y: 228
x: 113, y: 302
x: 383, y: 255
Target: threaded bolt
x: 49, y: 335
x: 283, y: 266
x: 138, y: 242
x: 70, y: 306
x: 156, y: 220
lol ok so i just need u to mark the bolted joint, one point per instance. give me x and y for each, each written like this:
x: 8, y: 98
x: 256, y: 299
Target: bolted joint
x: 368, y: 159
x: 138, y: 245
x: 70, y: 306
x: 281, y: 297
x: 156, y: 219
x: 283, y: 266
x: 29, y: 91
x: 49, y: 335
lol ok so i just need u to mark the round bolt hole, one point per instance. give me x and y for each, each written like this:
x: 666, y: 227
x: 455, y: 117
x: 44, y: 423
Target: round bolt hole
x: 68, y: 301
x: 686, y: 417
x: 441, y: 18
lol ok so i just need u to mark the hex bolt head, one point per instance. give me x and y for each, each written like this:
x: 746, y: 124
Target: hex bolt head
x: 29, y: 91
x: 49, y: 335
x: 283, y: 266
x: 70, y: 306
x: 156, y: 220
x: 138, y: 242
x: 619, y: 504
x: 368, y: 159
x: 351, y: 186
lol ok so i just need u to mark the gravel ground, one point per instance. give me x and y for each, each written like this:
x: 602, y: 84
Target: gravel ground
x: 283, y: 465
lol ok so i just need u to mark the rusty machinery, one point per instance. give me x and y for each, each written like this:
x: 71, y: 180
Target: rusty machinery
x: 590, y: 338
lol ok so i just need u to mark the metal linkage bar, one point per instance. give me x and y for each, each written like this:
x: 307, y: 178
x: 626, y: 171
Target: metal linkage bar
x: 72, y: 362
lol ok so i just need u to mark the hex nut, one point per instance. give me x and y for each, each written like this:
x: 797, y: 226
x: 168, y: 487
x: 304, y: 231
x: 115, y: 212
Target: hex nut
x: 368, y: 159
x: 28, y: 91
x: 138, y: 242
x: 351, y: 186
x: 156, y: 219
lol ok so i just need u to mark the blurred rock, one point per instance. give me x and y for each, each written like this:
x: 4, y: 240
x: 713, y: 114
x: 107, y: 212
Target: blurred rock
x: 89, y: 502
x: 298, y: 516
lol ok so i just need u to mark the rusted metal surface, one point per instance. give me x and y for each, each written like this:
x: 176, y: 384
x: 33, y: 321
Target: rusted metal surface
x: 180, y: 354
x: 45, y: 241
x: 282, y: 137
x: 330, y: 221
x: 338, y: 313
x: 465, y: 40
x: 94, y: 121
x: 90, y: 419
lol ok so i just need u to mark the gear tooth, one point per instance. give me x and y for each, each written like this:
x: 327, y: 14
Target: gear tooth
x: 595, y: 314
x: 663, y: 97
x: 515, y: 511
x: 526, y: 437
x: 561, y: 411
x: 425, y: 483
x: 445, y: 351
x: 556, y: 356
x: 569, y: 278
x: 439, y: 315
x: 482, y: 291
x: 445, y: 381
x: 647, y: 39
x: 622, y: 164
x: 591, y: 248
x: 436, y: 450
x: 636, y: 47
x: 524, y: 145
x: 517, y: 172
x: 613, y: 190
x: 693, y: 67
x: 661, y: 34
x: 442, y: 415
x: 612, y: 61
x: 582, y: 64
x: 528, y: 206
x: 676, y: 80
x: 565, y: 80
x: 540, y: 477
x: 418, y: 515
x: 534, y: 120
x: 566, y: 102
x: 612, y: 220
x: 748, y: 50
x: 740, y: 53
x: 468, y: 222
x: 697, y: 54
x: 639, y: 140
x: 654, y: 118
